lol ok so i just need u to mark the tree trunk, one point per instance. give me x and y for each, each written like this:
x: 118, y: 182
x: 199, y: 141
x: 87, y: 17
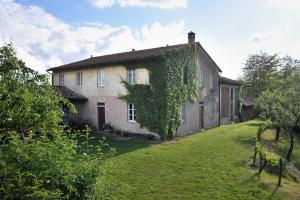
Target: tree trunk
x: 289, y: 155
x: 277, y: 134
x: 280, y: 173
x: 262, y: 166
x: 254, y: 157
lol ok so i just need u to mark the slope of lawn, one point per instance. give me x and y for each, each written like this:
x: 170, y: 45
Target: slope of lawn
x: 214, y: 164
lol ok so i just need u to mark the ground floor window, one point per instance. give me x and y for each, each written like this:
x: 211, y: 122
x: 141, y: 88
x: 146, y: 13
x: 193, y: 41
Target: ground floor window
x: 66, y: 114
x: 212, y: 110
x: 131, y: 113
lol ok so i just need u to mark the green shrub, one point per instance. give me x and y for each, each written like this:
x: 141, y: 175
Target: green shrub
x: 43, y: 168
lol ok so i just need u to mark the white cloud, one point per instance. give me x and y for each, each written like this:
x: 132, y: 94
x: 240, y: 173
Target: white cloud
x: 44, y: 41
x: 288, y: 4
x: 162, y: 4
x: 277, y: 39
x: 102, y: 3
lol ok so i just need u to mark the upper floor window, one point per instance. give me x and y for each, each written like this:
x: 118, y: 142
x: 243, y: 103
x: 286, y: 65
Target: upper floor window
x: 201, y: 79
x: 79, y: 79
x: 182, y: 113
x: 61, y: 79
x: 131, y: 113
x: 211, y: 80
x: 185, y: 75
x: 100, y: 77
x: 131, y: 76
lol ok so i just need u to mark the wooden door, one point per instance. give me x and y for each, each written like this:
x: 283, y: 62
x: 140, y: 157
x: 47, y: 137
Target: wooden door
x: 101, y: 117
x: 201, y: 120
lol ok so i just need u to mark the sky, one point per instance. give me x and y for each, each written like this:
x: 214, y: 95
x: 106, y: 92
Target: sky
x: 50, y: 33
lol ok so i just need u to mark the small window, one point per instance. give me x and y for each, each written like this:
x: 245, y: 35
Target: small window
x: 100, y: 78
x: 212, y: 110
x: 211, y: 81
x: 182, y: 113
x: 131, y: 113
x: 61, y: 79
x: 79, y: 79
x: 185, y: 75
x: 131, y: 76
x: 201, y: 81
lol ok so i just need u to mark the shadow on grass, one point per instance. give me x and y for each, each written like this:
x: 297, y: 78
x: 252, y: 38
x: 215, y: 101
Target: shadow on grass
x: 273, y: 193
x: 245, y: 141
x: 124, y: 145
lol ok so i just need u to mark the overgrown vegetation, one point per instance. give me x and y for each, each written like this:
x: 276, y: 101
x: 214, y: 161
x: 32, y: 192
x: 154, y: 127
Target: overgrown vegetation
x: 275, y: 83
x: 172, y: 82
x: 38, y: 159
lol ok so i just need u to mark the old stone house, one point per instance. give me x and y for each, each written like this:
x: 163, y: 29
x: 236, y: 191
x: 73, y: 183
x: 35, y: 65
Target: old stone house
x: 94, y: 86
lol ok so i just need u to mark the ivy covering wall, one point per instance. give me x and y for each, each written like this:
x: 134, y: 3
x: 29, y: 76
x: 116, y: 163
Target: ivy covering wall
x: 173, y: 80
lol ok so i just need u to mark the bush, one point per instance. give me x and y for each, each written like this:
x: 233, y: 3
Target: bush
x: 44, y: 168
x: 78, y: 124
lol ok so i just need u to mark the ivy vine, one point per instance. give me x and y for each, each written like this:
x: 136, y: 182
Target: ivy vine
x: 173, y: 80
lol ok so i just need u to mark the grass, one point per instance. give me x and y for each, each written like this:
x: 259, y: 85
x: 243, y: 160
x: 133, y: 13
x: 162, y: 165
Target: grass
x: 214, y: 164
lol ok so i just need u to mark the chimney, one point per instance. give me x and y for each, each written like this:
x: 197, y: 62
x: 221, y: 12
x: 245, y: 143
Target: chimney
x: 191, y: 37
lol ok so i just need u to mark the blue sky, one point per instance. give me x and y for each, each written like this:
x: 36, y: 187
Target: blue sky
x: 54, y: 32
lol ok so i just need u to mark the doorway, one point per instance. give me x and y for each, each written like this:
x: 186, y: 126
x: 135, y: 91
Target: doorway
x: 201, y: 113
x: 101, y: 115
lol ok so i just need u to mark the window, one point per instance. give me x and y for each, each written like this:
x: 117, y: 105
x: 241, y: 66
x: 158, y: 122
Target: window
x: 131, y: 113
x: 100, y: 77
x: 61, y: 79
x: 185, y: 75
x: 201, y: 79
x: 212, y: 110
x: 211, y: 80
x: 66, y: 114
x: 131, y: 76
x: 182, y: 113
x: 79, y: 79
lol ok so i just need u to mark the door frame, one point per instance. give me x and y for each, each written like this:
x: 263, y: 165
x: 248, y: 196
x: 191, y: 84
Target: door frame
x: 100, y: 105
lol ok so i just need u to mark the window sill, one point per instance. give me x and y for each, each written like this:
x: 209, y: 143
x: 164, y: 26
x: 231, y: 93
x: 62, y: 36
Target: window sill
x: 131, y: 121
x: 100, y: 86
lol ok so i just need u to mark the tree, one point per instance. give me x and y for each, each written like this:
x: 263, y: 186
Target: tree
x: 27, y: 100
x: 259, y: 72
x: 52, y: 163
x: 282, y: 107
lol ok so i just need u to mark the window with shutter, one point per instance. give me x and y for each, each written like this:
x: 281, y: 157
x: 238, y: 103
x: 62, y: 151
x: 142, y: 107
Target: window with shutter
x: 100, y: 78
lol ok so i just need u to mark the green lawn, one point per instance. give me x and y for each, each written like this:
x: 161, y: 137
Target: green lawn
x: 213, y: 164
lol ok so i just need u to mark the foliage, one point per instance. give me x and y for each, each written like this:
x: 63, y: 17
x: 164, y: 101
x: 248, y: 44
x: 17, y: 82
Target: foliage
x: 40, y: 168
x: 269, y: 156
x: 50, y: 163
x: 27, y: 100
x: 279, y: 101
x: 172, y: 82
x: 259, y: 73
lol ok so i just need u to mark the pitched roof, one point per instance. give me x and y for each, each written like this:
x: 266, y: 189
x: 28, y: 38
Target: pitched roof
x: 124, y: 57
x: 70, y: 94
x: 229, y: 81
